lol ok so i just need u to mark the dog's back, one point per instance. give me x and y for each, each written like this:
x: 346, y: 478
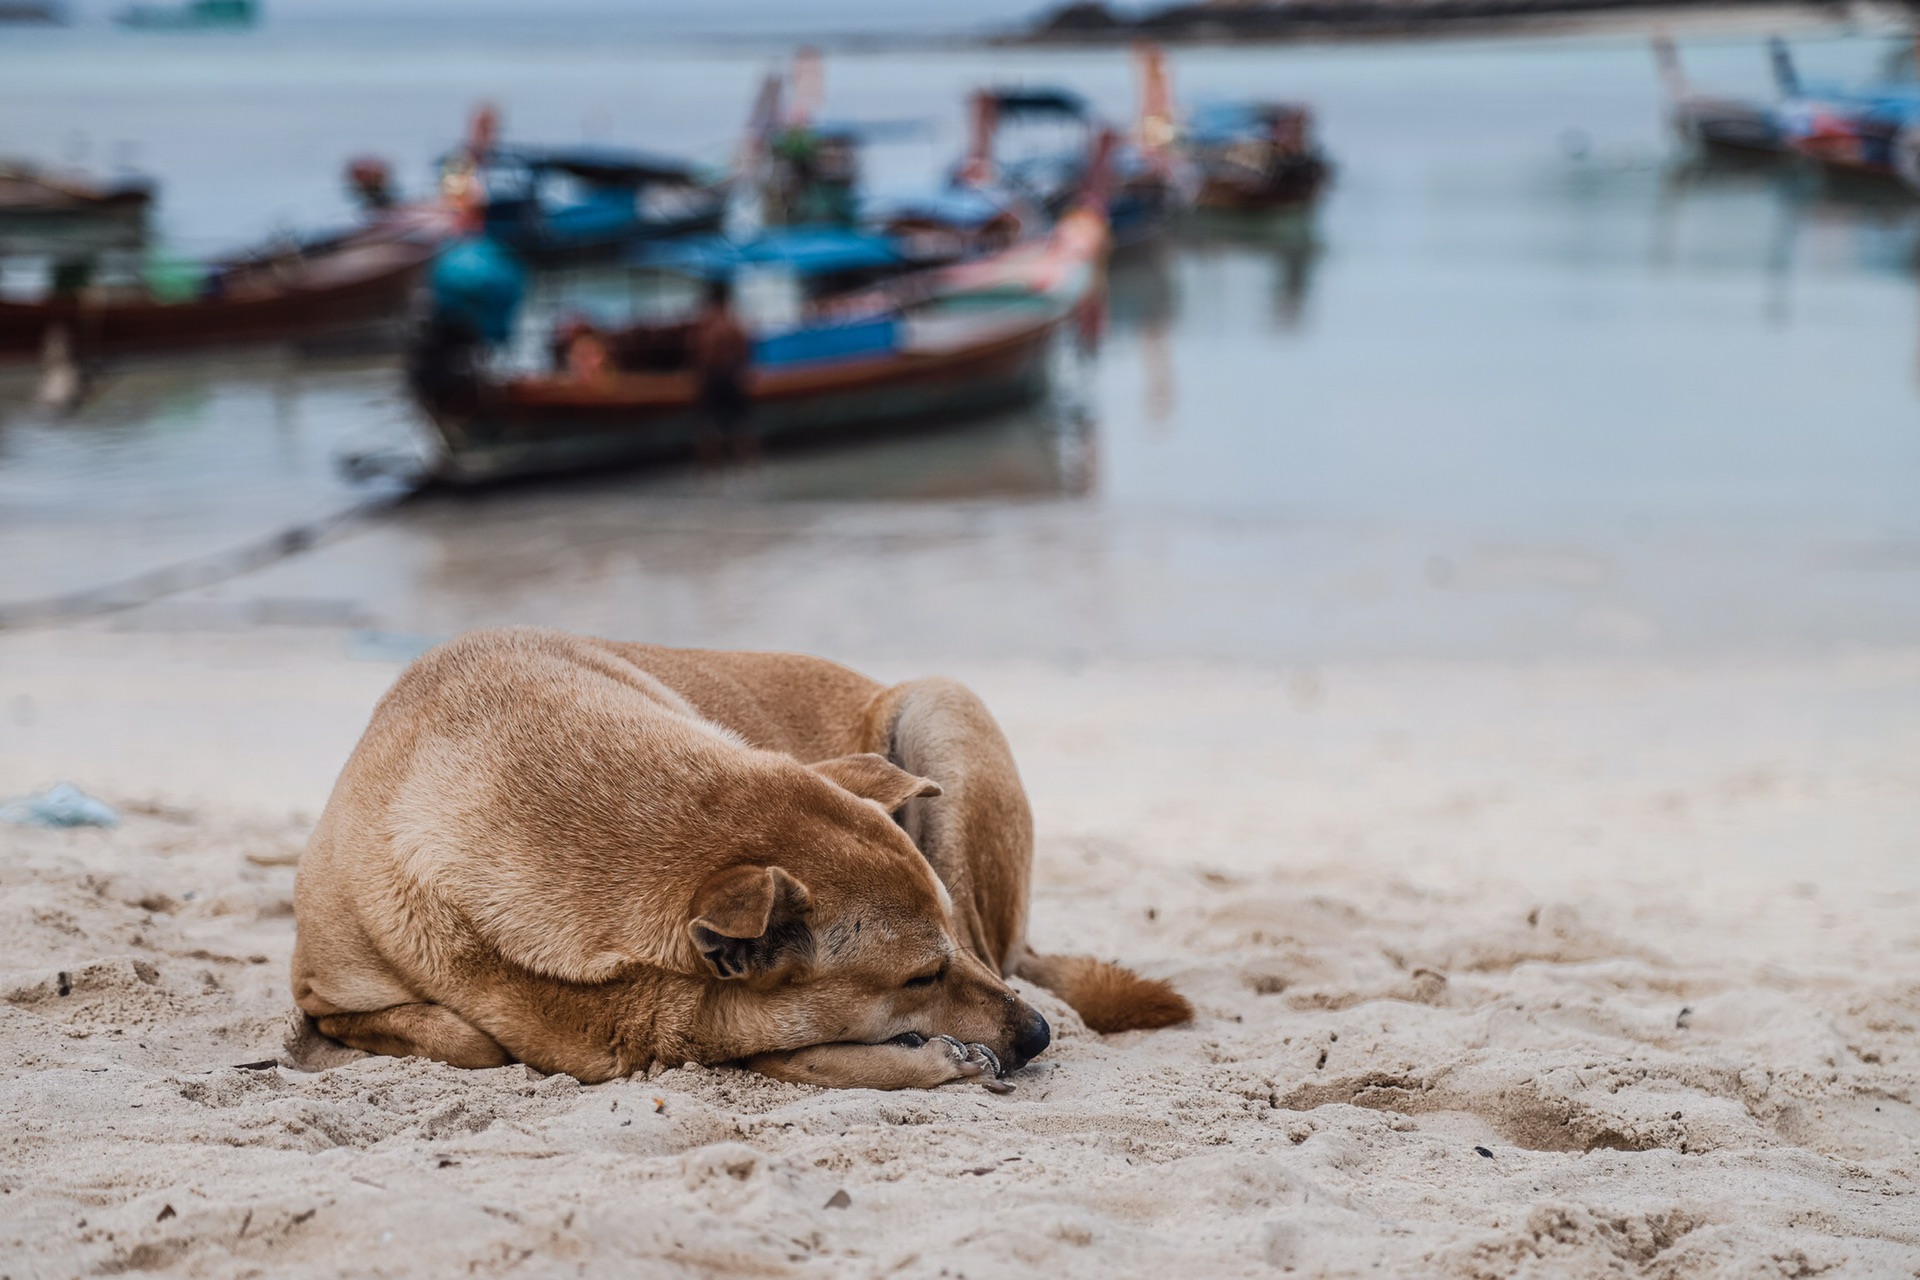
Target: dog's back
x: 423, y: 793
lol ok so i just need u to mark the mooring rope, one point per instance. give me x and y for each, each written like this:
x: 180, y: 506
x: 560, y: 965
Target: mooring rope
x: 202, y: 571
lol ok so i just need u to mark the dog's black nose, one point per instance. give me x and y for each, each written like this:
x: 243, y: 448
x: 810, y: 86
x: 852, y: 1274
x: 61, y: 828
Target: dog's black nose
x: 1032, y: 1040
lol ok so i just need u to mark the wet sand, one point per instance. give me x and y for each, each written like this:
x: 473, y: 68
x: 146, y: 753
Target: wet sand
x: 1563, y: 968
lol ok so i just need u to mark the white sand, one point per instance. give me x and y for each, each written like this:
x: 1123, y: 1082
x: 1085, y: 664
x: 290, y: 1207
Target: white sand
x: 1650, y: 936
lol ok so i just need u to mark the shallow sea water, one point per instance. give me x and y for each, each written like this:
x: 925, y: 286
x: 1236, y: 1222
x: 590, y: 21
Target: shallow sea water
x: 1526, y: 385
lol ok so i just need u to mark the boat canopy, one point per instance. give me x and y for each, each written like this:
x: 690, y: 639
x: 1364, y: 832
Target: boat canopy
x: 1221, y: 121
x: 860, y: 132
x: 604, y: 166
x: 1039, y: 102
x: 805, y: 251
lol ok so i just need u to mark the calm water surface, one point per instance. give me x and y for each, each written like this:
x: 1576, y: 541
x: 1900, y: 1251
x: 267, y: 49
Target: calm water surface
x: 1525, y: 386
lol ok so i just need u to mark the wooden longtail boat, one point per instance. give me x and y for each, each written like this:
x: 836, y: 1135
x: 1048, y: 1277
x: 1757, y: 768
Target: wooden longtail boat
x: 1256, y: 156
x: 1717, y: 126
x: 1035, y: 144
x: 975, y: 337
x: 1868, y: 132
x: 344, y: 285
x: 42, y: 211
x: 27, y: 191
x: 1849, y: 132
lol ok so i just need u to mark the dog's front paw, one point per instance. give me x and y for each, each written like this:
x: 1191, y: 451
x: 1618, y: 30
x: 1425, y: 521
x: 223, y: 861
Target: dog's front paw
x: 941, y: 1060
x: 984, y: 1061
x: 947, y: 1059
x: 953, y: 1057
x: 967, y: 1060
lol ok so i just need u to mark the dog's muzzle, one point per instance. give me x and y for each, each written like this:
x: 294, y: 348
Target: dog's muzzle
x: 1030, y: 1043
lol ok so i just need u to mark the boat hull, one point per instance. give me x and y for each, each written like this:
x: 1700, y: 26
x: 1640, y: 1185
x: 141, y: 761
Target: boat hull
x: 1868, y: 158
x: 50, y: 215
x: 1289, y: 187
x: 1730, y: 128
x: 545, y: 426
x: 308, y: 304
x: 121, y: 202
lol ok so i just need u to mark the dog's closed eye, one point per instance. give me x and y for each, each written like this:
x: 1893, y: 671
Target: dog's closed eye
x: 926, y: 979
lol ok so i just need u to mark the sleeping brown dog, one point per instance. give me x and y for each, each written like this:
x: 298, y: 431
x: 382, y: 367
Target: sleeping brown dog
x: 591, y: 856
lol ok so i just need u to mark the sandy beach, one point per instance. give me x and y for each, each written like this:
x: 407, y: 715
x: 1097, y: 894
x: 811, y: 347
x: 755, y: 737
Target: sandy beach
x: 1467, y: 640
x: 1596, y: 968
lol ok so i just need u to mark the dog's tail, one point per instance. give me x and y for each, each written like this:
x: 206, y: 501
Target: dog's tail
x: 1107, y: 997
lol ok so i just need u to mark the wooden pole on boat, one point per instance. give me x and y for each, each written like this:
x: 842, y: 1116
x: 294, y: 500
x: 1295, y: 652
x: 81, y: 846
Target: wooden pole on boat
x: 985, y: 119
x: 1672, y: 76
x: 746, y: 189
x: 1154, y: 128
x: 809, y: 86
x: 483, y: 131
x: 1784, y: 73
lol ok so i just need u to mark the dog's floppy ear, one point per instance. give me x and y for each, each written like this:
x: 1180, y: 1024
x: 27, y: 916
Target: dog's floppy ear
x: 874, y: 777
x: 748, y: 920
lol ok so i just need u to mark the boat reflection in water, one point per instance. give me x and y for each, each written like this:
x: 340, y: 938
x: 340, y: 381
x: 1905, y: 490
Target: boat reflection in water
x: 1712, y: 212
x: 1045, y: 449
x: 1289, y: 239
x: 205, y: 453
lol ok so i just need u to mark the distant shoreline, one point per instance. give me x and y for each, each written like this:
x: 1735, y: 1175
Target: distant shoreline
x: 1091, y: 24
x: 1175, y: 24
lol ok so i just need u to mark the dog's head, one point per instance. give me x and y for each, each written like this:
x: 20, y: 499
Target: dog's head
x: 835, y: 928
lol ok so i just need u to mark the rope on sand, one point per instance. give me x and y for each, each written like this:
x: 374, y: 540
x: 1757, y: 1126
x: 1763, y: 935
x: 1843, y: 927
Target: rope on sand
x: 204, y: 571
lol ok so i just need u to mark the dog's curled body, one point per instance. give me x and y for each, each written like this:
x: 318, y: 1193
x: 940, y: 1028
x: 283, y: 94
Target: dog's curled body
x: 591, y: 856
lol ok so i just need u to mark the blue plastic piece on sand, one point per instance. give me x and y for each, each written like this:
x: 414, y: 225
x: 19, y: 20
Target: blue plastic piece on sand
x: 61, y: 805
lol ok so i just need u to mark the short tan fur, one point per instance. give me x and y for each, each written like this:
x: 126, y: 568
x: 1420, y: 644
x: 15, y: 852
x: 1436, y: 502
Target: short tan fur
x: 592, y: 856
